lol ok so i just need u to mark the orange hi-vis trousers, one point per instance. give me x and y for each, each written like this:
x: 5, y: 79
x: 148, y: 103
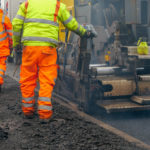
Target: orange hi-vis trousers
x: 2, y: 69
x: 38, y: 62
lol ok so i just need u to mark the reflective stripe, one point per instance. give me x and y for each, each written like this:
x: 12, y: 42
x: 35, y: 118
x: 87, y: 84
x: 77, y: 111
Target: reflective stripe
x: 20, y: 17
x: 17, y: 33
x: 3, y: 19
x: 44, y: 107
x: 2, y: 39
x: 28, y: 99
x: 68, y: 20
x: 2, y: 32
x: 10, y: 36
x: 78, y: 29
x: 2, y: 70
x: 41, y: 21
x: 27, y: 105
x: 3, y: 27
x: 45, y: 99
x: 10, y: 31
x: 30, y: 38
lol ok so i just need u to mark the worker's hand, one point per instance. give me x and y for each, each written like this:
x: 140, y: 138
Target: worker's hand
x: 89, y: 34
x: 18, y: 48
x: 11, y: 49
x: 90, y: 31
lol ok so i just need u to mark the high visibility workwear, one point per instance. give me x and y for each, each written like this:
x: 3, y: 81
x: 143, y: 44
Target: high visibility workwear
x: 38, y: 62
x: 5, y: 42
x: 39, y: 22
x: 5, y: 35
x: 2, y: 68
x: 36, y: 25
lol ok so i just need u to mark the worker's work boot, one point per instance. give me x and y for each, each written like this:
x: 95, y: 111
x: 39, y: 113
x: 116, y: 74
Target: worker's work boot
x: 27, y: 116
x: 45, y: 117
x: 45, y: 121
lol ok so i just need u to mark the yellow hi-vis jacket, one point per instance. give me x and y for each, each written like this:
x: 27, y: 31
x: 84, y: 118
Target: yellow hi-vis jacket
x: 37, y: 23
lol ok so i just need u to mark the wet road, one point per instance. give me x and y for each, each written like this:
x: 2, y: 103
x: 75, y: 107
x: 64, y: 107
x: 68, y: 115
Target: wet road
x: 136, y: 124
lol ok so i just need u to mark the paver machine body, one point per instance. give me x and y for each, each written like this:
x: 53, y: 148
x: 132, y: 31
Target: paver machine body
x: 106, y: 70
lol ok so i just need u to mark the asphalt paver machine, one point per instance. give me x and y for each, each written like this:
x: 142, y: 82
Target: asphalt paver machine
x: 106, y: 71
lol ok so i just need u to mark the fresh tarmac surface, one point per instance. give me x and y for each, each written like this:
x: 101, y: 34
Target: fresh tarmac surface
x: 65, y: 131
x: 136, y: 124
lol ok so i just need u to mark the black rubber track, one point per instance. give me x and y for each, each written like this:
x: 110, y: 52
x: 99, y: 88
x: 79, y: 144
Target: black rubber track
x: 66, y: 131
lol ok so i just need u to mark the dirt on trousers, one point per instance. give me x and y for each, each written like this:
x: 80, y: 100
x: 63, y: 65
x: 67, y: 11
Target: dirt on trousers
x: 66, y: 131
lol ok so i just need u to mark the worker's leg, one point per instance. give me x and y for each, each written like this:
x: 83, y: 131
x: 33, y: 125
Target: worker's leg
x: 2, y: 69
x: 28, y: 77
x: 47, y: 77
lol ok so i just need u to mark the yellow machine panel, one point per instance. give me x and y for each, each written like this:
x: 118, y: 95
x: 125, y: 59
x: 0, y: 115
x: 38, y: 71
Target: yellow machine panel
x: 70, y: 7
x: 68, y: 2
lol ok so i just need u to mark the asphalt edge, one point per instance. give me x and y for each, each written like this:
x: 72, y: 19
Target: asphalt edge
x: 113, y: 130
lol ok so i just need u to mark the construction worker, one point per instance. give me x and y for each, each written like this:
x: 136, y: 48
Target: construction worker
x: 107, y: 58
x: 5, y: 43
x: 37, y: 22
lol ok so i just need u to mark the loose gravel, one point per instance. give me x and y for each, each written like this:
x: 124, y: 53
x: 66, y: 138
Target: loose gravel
x: 66, y: 131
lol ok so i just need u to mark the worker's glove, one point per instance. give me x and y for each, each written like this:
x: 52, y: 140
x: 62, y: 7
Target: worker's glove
x: 90, y: 31
x: 88, y: 34
x: 11, y: 50
x: 17, y: 55
x: 18, y: 49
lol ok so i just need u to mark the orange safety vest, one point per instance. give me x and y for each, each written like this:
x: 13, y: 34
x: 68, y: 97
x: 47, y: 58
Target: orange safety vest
x: 5, y: 35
